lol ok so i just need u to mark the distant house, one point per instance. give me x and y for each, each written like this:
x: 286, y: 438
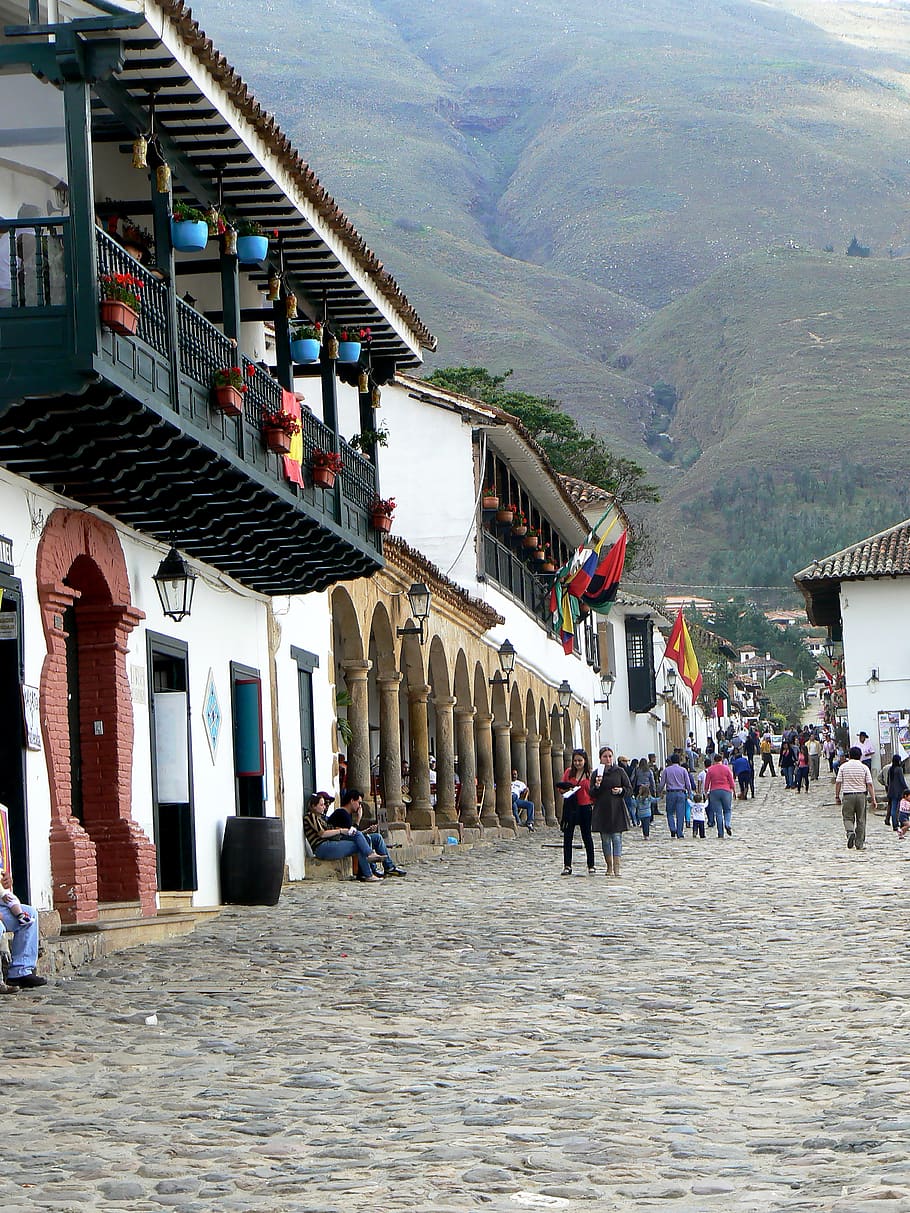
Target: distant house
x: 861, y: 595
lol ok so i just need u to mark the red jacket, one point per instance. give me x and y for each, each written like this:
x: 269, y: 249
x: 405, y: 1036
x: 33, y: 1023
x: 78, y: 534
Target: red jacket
x: 719, y: 775
x: 583, y: 795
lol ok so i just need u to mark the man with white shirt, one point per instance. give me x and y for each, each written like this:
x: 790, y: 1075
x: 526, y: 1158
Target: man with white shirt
x: 851, y: 787
x: 520, y: 802
x: 867, y: 750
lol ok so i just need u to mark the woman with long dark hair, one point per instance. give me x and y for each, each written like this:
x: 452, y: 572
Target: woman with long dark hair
x: 896, y: 789
x: 576, y: 809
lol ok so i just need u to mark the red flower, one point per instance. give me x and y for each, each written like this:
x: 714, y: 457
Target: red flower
x: 250, y: 369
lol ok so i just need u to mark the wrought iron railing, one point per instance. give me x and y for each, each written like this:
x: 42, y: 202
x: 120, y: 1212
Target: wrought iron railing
x: 33, y: 260
x: 114, y: 259
x: 358, y: 477
x: 203, y: 349
x: 511, y: 573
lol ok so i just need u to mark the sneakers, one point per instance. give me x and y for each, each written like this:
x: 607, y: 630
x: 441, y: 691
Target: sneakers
x: 395, y: 872
x: 851, y: 841
x: 530, y: 828
x: 28, y: 981
x: 592, y: 871
x: 567, y: 871
x: 729, y: 831
x: 5, y: 989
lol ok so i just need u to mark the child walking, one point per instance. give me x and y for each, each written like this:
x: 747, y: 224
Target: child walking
x: 699, y: 815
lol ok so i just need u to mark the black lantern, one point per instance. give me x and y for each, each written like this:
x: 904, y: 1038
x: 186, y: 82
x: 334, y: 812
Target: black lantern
x: 506, y: 655
x: 175, y: 582
x: 607, y: 679
x: 828, y: 646
x: 564, y: 695
x: 419, y: 601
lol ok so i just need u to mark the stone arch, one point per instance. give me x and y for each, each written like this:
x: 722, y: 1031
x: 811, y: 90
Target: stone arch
x: 438, y: 667
x: 482, y: 698
x: 351, y: 670
x: 543, y: 721
x: 461, y: 683
x: 384, y: 706
x: 83, y: 585
x: 347, y: 641
x: 381, y: 641
x: 516, y: 709
x: 530, y: 714
x: 499, y: 705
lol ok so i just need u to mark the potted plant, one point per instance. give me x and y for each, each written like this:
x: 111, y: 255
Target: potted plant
x: 489, y: 498
x: 305, y: 342
x: 519, y: 524
x: 507, y: 512
x: 367, y: 439
x: 350, y: 339
x: 532, y: 538
x: 549, y: 563
x: 189, y: 229
x: 278, y: 428
x: 381, y: 512
x: 228, y: 390
x: 325, y: 467
x: 120, y: 303
x: 252, y: 243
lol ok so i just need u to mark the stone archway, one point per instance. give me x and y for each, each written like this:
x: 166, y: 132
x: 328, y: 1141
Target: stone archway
x: 82, y: 577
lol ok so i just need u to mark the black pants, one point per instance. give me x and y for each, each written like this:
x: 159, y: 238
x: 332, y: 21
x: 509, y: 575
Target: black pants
x: 767, y: 760
x: 579, y: 815
x: 698, y: 827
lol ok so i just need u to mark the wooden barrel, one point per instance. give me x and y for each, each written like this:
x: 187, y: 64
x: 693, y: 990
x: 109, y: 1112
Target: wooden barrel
x: 252, y: 861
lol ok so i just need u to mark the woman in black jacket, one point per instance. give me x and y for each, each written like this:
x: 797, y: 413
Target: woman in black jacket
x: 896, y: 789
x: 610, y: 787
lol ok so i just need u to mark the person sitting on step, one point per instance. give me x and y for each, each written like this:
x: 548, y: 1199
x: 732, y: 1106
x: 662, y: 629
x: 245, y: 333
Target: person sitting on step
x: 337, y: 842
x: 351, y: 814
x: 22, y: 921
x: 521, y: 803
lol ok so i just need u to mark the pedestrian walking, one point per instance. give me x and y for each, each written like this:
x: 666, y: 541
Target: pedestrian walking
x: 699, y: 816
x: 677, y: 783
x: 788, y: 764
x: 576, y: 809
x: 867, y: 749
x: 829, y: 749
x: 814, y: 750
x: 767, y: 756
x: 895, y: 789
x: 610, y: 787
x: 745, y: 775
x: 802, y: 769
x: 852, y: 788
x: 719, y: 786
x: 644, y: 790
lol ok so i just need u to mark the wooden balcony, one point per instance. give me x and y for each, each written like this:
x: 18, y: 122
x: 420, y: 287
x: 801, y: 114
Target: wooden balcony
x: 126, y: 425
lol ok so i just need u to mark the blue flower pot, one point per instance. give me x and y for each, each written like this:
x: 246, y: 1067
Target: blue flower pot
x: 305, y: 349
x: 189, y: 237
x: 348, y: 351
x: 252, y: 249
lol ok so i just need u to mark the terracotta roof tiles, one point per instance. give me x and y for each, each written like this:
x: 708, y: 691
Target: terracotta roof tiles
x: 886, y: 554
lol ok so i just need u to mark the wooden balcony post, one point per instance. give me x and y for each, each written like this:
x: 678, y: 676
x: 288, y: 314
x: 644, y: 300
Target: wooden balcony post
x: 284, y: 369
x: 164, y: 261
x: 77, y: 117
x: 230, y: 296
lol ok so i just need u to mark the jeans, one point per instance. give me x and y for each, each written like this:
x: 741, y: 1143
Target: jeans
x: 676, y: 813
x: 645, y: 823
x: 802, y: 777
x: 377, y: 842
x: 527, y: 805
x: 698, y: 828
x: 579, y: 815
x: 632, y: 809
x: 24, y: 948
x: 894, y: 804
x: 788, y: 776
x: 612, y: 845
x: 339, y: 848
x: 720, y: 805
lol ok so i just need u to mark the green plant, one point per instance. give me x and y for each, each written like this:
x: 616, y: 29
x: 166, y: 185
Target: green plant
x: 230, y: 376
x: 184, y: 213
x: 354, y: 332
x: 342, y: 724
x: 307, y: 331
x: 122, y: 288
x: 369, y: 438
x: 249, y: 227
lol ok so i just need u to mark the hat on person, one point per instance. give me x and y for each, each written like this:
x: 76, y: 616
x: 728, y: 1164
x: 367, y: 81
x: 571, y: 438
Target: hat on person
x: 863, y: 735
x: 326, y: 796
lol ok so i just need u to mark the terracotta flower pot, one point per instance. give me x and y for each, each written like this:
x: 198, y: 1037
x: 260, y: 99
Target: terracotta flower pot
x: 119, y: 317
x: 381, y: 522
x: 323, y: 478
x: 504, y: 515
x: 548, y: 567
x: 277, y: 440
x: 530, y: 541
x: 228, y: 400
x: 490, y: 503
x: 519, y: 530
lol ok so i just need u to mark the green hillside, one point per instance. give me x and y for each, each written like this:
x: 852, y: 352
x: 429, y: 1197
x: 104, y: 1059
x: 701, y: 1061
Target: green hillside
x: 788, y: 440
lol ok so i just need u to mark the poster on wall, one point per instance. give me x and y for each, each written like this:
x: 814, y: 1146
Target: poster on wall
x: 31, y: 716
x: 894, y: 734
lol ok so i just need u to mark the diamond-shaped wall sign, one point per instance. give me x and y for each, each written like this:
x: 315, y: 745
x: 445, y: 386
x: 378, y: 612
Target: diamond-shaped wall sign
x: 211, y: 714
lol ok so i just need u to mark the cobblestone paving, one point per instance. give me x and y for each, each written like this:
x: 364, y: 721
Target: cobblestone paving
x: 723, y: 1027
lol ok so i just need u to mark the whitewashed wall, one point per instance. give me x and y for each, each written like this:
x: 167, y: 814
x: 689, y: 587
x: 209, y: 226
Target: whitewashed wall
x: 874, y: 615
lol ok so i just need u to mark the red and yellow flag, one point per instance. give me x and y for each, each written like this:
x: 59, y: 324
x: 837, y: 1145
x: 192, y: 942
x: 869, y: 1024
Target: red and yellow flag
x: 681, y: 652
x: 292, y: 470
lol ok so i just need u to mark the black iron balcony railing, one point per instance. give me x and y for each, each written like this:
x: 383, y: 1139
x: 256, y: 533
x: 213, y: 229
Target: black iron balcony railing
x: 512, y: 574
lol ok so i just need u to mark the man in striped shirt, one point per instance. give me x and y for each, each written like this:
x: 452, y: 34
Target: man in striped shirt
x: 851, y: 787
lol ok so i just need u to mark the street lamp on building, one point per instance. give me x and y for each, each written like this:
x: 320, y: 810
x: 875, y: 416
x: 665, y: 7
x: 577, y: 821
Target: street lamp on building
x: 564, y: 695
x: 175, y: 582
x: 607, y: 681
x: 419, y: 599
x: 506, y: 655
x: 670, y: 676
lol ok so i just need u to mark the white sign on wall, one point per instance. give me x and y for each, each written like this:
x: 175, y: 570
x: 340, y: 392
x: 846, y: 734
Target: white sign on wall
x: 31, y: 712
x: 138, y: 684
x: 172, y: 759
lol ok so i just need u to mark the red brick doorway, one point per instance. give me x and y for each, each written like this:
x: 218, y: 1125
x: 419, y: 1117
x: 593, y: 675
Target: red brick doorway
x: 101, y: 855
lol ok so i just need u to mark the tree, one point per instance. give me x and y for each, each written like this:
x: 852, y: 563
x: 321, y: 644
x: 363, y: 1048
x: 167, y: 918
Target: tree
x: 787, y: 697
x: 855, y: 249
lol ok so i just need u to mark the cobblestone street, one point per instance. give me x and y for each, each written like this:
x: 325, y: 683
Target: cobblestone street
x: 720, y: 1028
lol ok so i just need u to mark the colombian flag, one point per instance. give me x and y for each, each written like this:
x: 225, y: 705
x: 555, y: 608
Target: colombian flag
x: 292, y: 471
x: 681, y: 652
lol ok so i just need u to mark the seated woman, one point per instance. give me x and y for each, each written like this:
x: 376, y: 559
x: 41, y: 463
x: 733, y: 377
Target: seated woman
x: 337, y: 842
x: 351, y: 814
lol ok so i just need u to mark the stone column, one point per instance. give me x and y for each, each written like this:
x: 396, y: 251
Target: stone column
x: 467, y: 766
x: 446, y: 809
x: 519, y: 753
x: 533, y: 776
x: 547, y: 790
x: 355, y: 676
x: 390, y: 751
x: 483, y: 739
x: 420, y: 814
x: 502, y: 757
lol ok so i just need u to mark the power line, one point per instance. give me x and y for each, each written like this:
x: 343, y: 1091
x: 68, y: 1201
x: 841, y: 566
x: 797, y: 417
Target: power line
x: 679, y: 585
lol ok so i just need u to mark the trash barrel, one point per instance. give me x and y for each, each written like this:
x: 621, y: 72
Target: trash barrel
x: 252, y: 861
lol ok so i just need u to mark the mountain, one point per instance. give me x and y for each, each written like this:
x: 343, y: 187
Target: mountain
x: 551, y: 183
